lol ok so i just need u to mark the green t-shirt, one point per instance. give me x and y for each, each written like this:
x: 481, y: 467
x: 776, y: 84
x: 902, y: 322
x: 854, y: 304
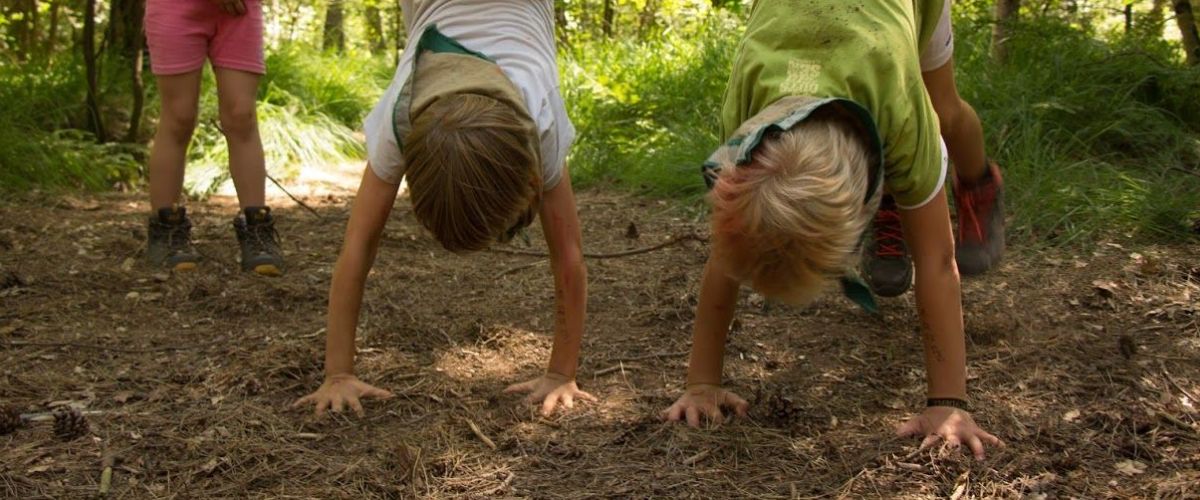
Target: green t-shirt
x: 867, y: 52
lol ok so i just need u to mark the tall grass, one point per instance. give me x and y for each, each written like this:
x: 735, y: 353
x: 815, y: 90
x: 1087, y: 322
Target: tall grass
x: 1092, y: 134
x: 309, y: 106
x: 646, y: 111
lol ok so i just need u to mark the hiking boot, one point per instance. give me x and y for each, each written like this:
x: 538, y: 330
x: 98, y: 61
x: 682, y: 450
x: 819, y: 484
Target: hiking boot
x: 980, y: 242
x: 260, y: 243
x: 169, y: 240
x: 886, y: 262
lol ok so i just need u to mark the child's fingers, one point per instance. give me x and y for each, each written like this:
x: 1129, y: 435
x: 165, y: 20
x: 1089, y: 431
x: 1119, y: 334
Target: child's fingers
x: 976, y: 447
x: 356, y: 405
x: 674, y: 413
x: 693, y: 416
x: 338, y: 404
x: 715, y: 417
x: 952, y: 441
x: 375, y: 392
x: 548, y: 405
x: 990, y: 439
x: 586, y: 395
x: 568, y: 401
x: 302, y: 401
x: 737, y: 403
x: 322, y: 405
x: 909, y: 428
x: 930, y: 440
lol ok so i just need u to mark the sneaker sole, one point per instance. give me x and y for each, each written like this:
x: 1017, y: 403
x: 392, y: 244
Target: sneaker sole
x: 268, y: 270
x: 184, y: 267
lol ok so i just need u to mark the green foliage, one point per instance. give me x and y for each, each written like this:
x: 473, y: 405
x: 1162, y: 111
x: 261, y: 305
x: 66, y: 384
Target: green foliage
x: 1092, y: 134
x: 39, y: 146
x: 645, y: 111
x: 309, y: 106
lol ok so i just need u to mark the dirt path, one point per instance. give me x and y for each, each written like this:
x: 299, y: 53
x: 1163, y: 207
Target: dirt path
x: 1084, y: 364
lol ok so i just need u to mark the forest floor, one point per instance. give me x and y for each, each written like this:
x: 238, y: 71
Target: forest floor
x: 1087, y: 365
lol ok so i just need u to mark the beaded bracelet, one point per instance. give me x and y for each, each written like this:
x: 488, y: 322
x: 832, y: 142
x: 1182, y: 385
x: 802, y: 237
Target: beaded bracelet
x: 949, y: 403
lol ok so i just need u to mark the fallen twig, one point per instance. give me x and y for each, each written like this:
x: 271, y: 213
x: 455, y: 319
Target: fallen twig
x: 697, y: 457
x: 48, y: 416
x: 507, y: 481
x: 95, y: 347
x: 613, y: 255
x: 295, y: 199
x: 652, y: 356
x: 620, y: 366
x: 479, y: 433
x: 521, y: 267
x: 106, y: 474
x: 1167, y: 374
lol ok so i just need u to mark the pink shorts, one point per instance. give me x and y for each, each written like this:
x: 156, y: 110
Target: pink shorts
x: 182, y: 33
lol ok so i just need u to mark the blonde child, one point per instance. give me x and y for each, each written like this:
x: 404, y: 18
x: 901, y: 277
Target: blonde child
x: 827, y: 109
x: 474, y: 122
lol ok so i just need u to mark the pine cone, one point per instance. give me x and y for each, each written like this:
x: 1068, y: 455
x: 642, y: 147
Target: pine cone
x: 782, y: 412
x: 69, y: 424
x: 10, y: 420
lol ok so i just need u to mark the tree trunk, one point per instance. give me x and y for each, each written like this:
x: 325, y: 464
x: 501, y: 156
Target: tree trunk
x: 1187, y: 27
x: 374, y: 28
x: 647, y: 18
x: 22, y: 31
x: 89, y: 60
x: 138, y: 86
x: 334, y: 36
x: 606, y: 22
x: 1007, y: 12
x: 52, y: 30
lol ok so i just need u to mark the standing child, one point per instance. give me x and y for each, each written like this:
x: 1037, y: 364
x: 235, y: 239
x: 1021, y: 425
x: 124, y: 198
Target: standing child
x: 825, y: 110
x: 181, y: 35
x: 474, y: 122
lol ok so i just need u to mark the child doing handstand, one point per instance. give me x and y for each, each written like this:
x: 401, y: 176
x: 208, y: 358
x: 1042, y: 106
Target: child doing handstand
x: 826, y: 110
x: 474, y: 122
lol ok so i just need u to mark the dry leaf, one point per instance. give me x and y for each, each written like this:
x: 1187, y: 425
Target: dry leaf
x: 1106, y: 288
x: 1071, y: 416
x: 1131, y: 467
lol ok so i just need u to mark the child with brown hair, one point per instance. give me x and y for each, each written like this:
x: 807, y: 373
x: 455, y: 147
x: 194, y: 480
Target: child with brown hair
x: 829, y: 106
x: 474, y: 122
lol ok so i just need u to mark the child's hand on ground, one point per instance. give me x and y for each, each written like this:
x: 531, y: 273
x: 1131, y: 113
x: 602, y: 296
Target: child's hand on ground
x: 339, y: 391
x: 707, y: 400
x: 232, y: 7
x: 551, y: 389
x: 951, y: 425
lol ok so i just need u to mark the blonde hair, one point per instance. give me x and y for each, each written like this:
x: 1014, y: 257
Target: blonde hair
x: 472, y: 171
x: 793, y: 217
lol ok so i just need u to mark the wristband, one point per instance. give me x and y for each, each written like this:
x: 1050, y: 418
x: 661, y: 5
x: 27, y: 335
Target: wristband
x: 960, y: 404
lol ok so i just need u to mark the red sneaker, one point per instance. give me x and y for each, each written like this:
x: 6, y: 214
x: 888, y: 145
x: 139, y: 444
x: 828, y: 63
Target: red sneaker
x: 980, y: 242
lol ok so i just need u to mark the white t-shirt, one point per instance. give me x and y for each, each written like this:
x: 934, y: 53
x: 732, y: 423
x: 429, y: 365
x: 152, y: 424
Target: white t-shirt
x: 519, y: 36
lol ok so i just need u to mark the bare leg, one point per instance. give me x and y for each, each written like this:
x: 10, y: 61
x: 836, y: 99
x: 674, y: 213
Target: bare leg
x: 180, y: 96
x: 237, y: 92
x: 960, y: 125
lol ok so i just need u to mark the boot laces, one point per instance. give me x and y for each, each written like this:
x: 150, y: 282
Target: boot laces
x: 889, y: 235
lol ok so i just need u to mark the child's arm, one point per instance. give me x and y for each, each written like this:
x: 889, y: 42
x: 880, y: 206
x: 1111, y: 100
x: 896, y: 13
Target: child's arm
x: 367, y: 219
x: 704, y: 395
x: 560, y: 224
x: 939, y: 304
